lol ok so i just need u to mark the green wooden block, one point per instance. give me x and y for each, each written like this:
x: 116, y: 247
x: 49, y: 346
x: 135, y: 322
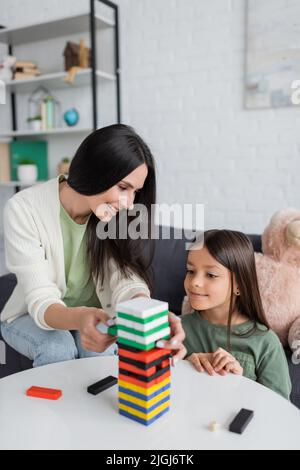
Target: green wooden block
x: 113, y: 330
x: 144, y: 347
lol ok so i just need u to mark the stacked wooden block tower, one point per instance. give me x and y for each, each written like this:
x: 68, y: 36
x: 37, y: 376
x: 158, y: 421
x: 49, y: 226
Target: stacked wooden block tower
x: 144, y: 370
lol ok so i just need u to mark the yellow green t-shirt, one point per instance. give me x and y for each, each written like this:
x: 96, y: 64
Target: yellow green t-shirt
x: 80, y: 286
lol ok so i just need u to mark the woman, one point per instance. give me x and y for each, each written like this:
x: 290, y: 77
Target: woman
x: 69, y: 281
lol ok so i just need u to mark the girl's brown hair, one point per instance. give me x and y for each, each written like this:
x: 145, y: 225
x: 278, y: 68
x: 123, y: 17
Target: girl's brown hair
x: 234, y: 250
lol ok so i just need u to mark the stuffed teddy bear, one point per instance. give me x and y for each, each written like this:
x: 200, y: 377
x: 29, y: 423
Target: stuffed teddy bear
x: 278, y: 271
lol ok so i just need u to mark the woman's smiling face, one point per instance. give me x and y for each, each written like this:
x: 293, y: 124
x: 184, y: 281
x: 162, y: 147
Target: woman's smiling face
x: 120, y: 196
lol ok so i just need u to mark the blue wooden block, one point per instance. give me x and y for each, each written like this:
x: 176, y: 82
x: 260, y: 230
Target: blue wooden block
x: 142, y: 421
x: 144, y: 410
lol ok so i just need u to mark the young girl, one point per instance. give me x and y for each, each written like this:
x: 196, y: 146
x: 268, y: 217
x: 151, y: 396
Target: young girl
x: 228, y: 331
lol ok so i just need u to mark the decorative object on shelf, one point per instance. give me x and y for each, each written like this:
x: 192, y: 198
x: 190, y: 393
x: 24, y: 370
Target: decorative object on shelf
x: 77, y: 55
x: 42, y: 103
x: 4, y: 162
x: 25, y: 69
x: 35, y: 122
x: 71, y: 117
x: 6, y: 68
x: 35, y: 151
x: 27, y: 172
x: 64, y: 166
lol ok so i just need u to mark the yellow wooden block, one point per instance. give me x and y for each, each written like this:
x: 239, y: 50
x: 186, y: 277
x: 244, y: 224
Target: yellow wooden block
x: 144, y: 391
x: 144, y: 403
x: 145, y: 416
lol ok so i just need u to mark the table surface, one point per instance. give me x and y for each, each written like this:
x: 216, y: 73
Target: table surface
x: 79, y: 420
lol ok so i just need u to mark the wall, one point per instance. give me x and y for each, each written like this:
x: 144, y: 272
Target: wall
x: 182, y: 85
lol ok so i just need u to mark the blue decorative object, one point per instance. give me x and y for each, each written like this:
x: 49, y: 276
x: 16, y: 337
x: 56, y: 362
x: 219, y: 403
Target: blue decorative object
x: 71, y: 117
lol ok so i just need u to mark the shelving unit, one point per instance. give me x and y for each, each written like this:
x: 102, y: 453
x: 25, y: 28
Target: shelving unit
x: 59, y: 130
x: 56, y: 81
x: 101, y: 18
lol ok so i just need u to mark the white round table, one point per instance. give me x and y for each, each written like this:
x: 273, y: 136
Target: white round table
x: 79, y: 420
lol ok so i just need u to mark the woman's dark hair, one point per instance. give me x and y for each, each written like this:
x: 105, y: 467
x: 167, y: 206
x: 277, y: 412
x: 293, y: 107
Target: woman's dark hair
x: 234, y: 250
x: 103, y: 159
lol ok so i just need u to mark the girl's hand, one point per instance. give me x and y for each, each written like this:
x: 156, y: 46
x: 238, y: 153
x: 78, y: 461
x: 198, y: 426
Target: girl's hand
x: 202, y: 362
x: 176, y: 340
x: 91, y: 338
x: 223, y: 362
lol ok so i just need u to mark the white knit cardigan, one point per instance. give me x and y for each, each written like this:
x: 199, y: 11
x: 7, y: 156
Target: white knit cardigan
x: 34, y: 252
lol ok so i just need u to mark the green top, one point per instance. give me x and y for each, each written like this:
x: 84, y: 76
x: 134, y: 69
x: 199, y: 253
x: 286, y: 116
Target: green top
x: 261, y: 354
x: 80, y: 286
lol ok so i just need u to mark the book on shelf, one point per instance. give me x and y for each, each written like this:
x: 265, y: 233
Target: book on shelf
x: 4, y: 162
x: 23, y: 76
x: 25, y: 63
x: 35, y: 151
x: 35, y: 71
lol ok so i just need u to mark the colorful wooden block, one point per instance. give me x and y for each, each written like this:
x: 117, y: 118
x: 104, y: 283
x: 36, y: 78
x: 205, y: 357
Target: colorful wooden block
x: 142, y: 307
x: 143, y: 392
x: 142, y: 321
x: 144, y: 416
x: 146, y: 378
x: 141, y: 383
x: 146, y: 357
x: 144, y: 370
x: 142, y: 365
x: 142, y: 421
x: 143, y: 343
x: 143, y: 327
x: 147, y: 405
x: 46, y: 393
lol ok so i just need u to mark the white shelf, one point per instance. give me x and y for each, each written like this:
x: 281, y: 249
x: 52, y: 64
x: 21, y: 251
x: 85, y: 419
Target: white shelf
x: 56, y: 80
x: 52, y: 29
x: 13, y: 184
x: 28, y: 133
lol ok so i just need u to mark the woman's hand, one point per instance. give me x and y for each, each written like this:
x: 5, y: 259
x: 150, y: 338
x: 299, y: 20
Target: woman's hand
x: 223, y: 362
x: 176, y: 340
x: 91, y: 338
x: 202, y: 362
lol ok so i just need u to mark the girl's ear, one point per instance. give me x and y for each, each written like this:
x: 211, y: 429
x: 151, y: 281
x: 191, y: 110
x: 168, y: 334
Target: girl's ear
x: 236, y: 289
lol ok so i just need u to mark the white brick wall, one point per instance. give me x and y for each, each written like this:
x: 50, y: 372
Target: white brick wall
x: 182, y: 85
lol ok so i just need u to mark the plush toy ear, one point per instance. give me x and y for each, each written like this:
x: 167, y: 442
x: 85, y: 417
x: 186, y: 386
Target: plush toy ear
x: 274, y: 236
x: 293, y: 233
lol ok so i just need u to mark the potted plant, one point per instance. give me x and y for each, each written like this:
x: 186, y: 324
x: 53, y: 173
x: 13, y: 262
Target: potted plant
x: 64, y: 165
x: 35, y: 122
x: 27, y: 172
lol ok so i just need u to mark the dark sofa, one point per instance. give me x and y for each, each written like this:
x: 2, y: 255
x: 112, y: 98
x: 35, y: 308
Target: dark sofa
x: 169, y: 272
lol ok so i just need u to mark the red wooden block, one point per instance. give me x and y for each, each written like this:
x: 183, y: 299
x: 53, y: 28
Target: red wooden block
x: 137, y: 370
x: 144, y: 356
x: 139, y: 383
x: 41, y: 392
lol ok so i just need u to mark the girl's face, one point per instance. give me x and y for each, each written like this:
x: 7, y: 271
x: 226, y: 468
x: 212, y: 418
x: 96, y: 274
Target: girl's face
x: 121, y: 196
x: 207, y: 282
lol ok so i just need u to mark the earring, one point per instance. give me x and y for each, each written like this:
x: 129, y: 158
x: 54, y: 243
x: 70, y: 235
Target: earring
x: 237, y: 292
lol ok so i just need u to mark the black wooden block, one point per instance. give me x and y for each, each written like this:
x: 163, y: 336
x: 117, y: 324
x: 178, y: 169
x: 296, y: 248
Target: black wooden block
x: 102, y: 385
x: 241, y: 421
